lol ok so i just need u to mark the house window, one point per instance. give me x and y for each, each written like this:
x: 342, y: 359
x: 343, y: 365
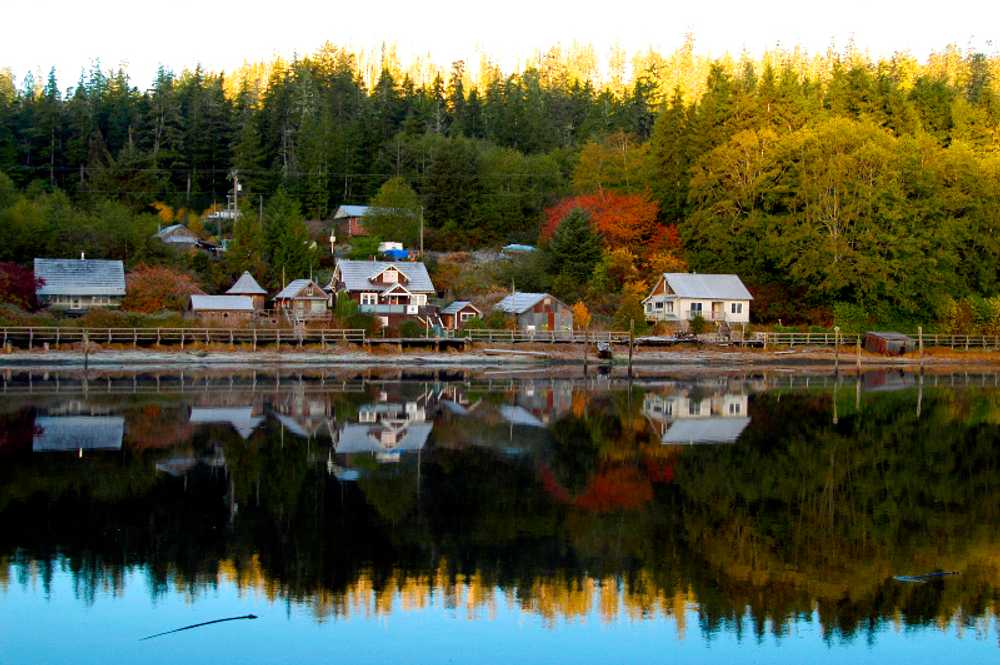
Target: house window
x: 465, y: 316
x: 695, y: 308
x: 734, y: 409
x: 369, y: 298
x: 669, y: 307
x: 419, y: 299
x: 659, y: 305
x: 736, y: 308
x: 390, y: 276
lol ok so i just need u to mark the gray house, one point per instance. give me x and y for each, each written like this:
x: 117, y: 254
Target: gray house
x: 537, y: 312
x: 77, y: 285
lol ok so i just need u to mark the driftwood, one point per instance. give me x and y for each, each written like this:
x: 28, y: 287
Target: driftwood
x: 198, y: 625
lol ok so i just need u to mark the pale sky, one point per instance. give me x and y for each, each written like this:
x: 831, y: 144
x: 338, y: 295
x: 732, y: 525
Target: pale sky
x: 37, y: 34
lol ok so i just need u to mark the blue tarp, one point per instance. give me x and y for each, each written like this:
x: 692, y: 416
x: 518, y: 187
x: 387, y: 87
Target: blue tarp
x: 396, y: 254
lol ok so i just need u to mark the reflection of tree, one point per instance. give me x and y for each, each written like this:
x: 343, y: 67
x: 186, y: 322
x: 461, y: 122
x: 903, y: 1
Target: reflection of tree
x: 800, y: 514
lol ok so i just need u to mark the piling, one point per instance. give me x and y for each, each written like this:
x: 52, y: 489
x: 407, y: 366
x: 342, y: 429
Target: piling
x: 631, y: 344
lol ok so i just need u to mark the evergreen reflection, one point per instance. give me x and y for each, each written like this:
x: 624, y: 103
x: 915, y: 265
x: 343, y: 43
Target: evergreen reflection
x: 757, y: 501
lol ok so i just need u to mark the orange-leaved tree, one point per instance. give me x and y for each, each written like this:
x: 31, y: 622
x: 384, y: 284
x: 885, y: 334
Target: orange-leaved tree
x: 157, y: 288
x: 622, y: 220
x: 581, y: 316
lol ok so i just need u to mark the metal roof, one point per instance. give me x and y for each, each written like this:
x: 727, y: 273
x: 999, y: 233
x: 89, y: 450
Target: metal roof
x: 356, y: 275
x: 294, y: 287
x: 166, y: 234
x: 458, y: 306
x: 519, y: 303
x: 241, y: 418
x: 516, y: 247
x: 222, y: 303
x: 363, y: 438
x: 694, y: 285
x: 518, y: 415
x: 705, y: 430
x: 62, y: 433
x: 343, y: 212
x: 246, y: 285
x: 80, y: 277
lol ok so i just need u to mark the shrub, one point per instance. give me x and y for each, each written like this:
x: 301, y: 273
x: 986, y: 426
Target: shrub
x: 411, y: 328
x: 698, y: 324
x: 158, y: 288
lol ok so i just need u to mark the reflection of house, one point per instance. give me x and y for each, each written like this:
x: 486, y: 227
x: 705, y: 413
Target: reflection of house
x: 78, y: 433
x: 682, y: 296
x: 684, y: 418
x: 390, y: 291
x: 242, y: 418
x: 181, y: 465
x: 80, y: 284
x: 386, y: 429
x: 537, y: 312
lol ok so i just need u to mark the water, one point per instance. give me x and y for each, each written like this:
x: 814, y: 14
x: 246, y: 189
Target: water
x: 422, y: 516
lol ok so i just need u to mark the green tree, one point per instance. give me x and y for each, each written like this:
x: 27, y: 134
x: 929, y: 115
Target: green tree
x: 394, y: 213
x: 574, y: 249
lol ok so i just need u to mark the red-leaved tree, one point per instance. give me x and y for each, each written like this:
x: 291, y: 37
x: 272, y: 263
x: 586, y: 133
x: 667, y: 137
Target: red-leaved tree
x: 18, y: 285
x: 156, y: 288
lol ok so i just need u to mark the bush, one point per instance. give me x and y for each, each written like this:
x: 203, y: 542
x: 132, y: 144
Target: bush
x: 698, y: 324
x: 411, y: 328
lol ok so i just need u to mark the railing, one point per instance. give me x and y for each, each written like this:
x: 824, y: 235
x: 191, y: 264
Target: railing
x: 791, y: 339
x: 32, y: 337
x: 539, y: 336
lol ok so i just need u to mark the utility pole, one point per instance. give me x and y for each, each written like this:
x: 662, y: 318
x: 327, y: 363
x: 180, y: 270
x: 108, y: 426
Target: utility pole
x: 235, y: 175
x: 421, y: 233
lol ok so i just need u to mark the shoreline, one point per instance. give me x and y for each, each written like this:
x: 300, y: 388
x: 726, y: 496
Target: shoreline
x: 534, y: 357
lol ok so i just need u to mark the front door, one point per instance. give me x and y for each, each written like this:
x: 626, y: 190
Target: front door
x: 552, y: 320
x: 717, y: 311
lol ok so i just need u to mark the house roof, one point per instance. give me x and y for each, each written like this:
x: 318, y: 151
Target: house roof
x: 80, y: 277
x: 458, y: 306
x: 518, y: 415
x: 61, y: 433
x: 356, y: 275
x: 695, y: 285
x: 344, y: 212
x: 516, y: 247
x: 246, y: 285
x: 705, y: 430
x: 294, y: 287
x: 241, y: 418
x: 221, y: 304
x: 519, y: 303
x: 362, y: 438
x: 170, y: 234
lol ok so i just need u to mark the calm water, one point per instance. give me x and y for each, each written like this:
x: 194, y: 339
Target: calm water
x: 454, y: 517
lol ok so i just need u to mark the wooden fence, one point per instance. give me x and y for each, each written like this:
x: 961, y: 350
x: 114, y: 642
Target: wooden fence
x: 792, y: 339
x: 33, y: 337
x: 550, y: 337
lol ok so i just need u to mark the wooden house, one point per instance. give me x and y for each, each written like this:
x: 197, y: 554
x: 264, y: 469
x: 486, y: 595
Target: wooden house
x: 348, y: 221
x: 391, y: 291
x: 246, y: 285
x: 79, y: 285
x: 680, y: 297
x: 537, y: 312
x: 303, y: 300
x: 229, y: 310
x: 454, y: 316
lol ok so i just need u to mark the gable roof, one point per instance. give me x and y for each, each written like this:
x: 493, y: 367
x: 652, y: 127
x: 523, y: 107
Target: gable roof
x: 177, y: 233
x: 355, y: 275
x: 222, y: 303
x: 519, y: 303
x: 61, y: 433
x: 294, y: 287
x: 458, y: 306
x: 694, y: 285
x: 246, y: 285
x: 344, y: 212
x: 80, y: 277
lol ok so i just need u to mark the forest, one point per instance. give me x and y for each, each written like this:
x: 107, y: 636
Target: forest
x: 840, y: 187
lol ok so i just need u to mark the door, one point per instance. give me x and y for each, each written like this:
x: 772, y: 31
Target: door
x: 552, y: 319
x: 717, y: 311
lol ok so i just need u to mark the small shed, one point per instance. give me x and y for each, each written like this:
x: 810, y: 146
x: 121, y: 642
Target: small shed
x: 537, y: 312
x: 454, y: 316
x: 303, y: 299
x: 232, y: 310
x: 889, y: 343
x: 246, y: 285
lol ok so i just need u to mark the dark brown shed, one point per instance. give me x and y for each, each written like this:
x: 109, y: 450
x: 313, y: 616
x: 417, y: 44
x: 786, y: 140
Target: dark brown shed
x: 889, y: 343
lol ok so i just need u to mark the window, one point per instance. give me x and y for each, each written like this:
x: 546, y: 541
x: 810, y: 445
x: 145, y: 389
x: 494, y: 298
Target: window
x: 419, y: 299
x: 736, y: 308
x: 695, y: 308
x: 659, y: 305
x: 465, y: 316
x: 390, y: 276
x: 369, y: 298
x: 669, y: 307
x: 734, y: 408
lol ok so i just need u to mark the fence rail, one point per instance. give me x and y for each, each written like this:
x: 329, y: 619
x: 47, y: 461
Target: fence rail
x: 31, y: 337
x: 791, y: 339
x: 552, y: 336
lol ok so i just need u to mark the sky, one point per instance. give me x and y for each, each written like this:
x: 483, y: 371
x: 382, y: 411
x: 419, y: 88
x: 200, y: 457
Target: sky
x: 221, y: 35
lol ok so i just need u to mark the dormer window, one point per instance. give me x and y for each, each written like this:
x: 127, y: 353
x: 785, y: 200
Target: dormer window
x: 390, y: 276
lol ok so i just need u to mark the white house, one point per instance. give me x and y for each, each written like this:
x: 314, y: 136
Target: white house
x: 680, y: 297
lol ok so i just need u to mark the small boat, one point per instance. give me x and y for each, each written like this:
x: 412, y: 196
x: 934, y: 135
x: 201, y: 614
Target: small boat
x: 603, y: 351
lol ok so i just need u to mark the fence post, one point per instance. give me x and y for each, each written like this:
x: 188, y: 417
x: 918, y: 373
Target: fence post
x: 631, y: 343
x: 255, y: 340
x: 31, y: 337
x: 135, y: 339
x: 836, y: 349
x: 182, y: 338
x: 157, y: 336
x: 858, y: 351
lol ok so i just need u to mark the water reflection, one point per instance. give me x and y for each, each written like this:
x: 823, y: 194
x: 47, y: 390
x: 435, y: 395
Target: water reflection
x: 371, y: 493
